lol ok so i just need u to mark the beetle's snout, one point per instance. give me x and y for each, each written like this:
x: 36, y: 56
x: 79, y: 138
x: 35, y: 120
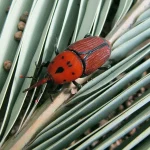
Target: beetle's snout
x: 39, y: 83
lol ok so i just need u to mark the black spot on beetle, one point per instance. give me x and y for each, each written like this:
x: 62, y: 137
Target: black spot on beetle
x: 64, y: 80
x: 62, y: 57
x: 73, y: 73
x: 68, y: 62
x: 59, y: 70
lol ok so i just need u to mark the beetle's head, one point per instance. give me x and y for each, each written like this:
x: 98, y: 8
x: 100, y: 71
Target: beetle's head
x: 46, y: 79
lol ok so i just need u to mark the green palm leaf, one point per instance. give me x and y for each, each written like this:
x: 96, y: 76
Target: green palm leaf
x: 64, y: 123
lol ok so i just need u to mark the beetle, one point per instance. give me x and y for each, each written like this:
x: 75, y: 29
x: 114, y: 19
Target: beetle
x: 77, y: 60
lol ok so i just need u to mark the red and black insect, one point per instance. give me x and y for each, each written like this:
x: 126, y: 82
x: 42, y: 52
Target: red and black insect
x: 78, y: 60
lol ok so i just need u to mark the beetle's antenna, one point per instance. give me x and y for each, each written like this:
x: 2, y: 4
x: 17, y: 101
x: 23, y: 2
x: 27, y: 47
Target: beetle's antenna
x: 21, y: 76
x: 40, y: 82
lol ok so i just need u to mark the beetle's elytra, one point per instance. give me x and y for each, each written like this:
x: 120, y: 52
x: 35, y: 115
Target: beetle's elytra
x: 79, y: 59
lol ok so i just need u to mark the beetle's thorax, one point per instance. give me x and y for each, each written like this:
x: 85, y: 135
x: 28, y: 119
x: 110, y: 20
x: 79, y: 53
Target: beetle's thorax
x: 65, y: 67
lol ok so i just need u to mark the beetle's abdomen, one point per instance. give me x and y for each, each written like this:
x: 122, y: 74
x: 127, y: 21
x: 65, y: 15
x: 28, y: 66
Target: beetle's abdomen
x: 94, y: 52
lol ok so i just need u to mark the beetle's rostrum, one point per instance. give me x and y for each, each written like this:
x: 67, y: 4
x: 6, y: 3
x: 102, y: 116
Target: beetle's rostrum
x: 77, y: 60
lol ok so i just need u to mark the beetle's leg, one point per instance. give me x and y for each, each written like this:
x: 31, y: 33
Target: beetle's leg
x: 56, y: 90
x: 39, y: 69
x: 77, y: 85
x: 44, y: 64
x: 56, y: 48
x: 87, y: 35
x: 51, y: 91
x: 105, y: 68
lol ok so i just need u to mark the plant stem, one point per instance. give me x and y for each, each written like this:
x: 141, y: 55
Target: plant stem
x: 128, y: 20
